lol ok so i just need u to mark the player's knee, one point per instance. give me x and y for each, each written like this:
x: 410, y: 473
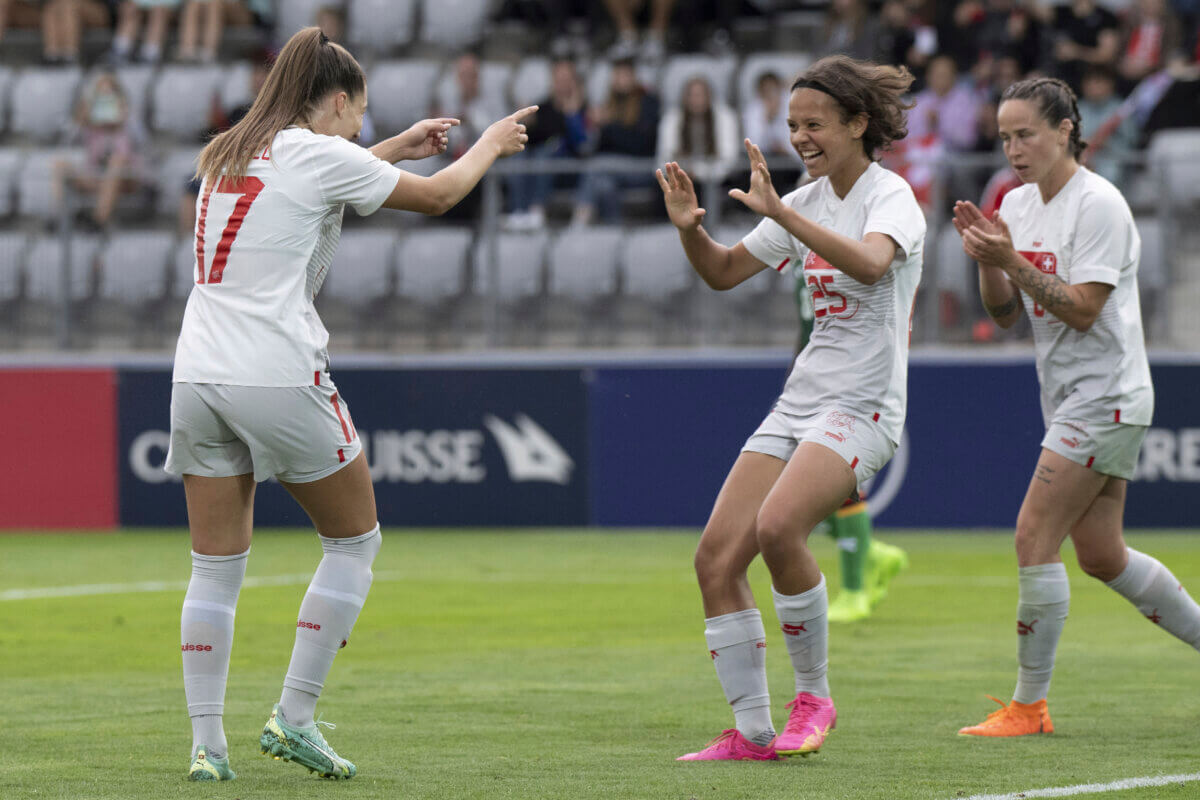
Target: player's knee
x: 1028, y: 539
x: 1101, y: 566
x: 713, y: 565
x: 772, y: 530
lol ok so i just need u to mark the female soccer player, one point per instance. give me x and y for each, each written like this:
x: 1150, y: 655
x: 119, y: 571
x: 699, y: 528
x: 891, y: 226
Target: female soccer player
x: 1064, y: 248
x: 252, y: 397
x: 859, y: 233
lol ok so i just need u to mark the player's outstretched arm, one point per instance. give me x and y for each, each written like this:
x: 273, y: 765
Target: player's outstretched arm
x: 866, y: 261
x: 441, y: 191
x: 719, y: 266
x: 429, y: 137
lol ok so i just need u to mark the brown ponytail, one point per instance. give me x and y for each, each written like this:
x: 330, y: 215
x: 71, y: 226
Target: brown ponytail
x: 308, y: 68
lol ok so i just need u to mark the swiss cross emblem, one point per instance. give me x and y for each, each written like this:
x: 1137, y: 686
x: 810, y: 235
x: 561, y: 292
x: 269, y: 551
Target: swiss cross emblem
x: 1046, y: 262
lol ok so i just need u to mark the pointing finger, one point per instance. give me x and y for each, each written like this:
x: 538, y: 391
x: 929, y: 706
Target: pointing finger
x: 524, y: 112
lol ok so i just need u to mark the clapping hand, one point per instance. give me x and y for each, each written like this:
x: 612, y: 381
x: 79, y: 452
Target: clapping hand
x: 429, y: 137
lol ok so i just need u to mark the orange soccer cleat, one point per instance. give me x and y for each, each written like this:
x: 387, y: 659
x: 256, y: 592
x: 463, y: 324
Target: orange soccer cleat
x: 1014, y: 719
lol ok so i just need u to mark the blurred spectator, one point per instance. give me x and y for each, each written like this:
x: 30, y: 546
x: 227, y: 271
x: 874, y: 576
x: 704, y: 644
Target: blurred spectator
x: 624, y: 14
x: 61, y: 31
x: 464, y: 100
x: 946, y: 108
x: 1152, y: 33
x: 129, y: 26
x: 1179, y: 105
x: 960, y: 27
x: 901, y: 40
x: 111, y: 140
x: 557, y: 130
x: 850, y: 29
x: 331, y: 19
x: 202, y: 23
x: 1099, y: 103
x: 700, y: 133
x: 764, y: 117
x: 1084, y: 34
x: 627, y: 124
x: 1009, y: 28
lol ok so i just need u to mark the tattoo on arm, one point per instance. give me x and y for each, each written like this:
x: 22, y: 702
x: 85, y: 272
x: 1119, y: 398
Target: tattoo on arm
x: 1049, y: 291
x: 1043, y: 473
x: 1004, y: 309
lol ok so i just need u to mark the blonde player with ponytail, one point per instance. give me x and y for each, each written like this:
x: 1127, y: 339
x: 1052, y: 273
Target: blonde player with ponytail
x: 252, y: 397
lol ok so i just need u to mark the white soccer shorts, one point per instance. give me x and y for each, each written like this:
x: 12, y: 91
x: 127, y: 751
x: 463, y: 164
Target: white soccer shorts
x: 856, y: 439
x: 1110, y: 448
x: 297, y: 434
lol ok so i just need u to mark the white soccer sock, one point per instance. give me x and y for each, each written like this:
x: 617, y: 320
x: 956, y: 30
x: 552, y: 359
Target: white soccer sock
x: 206, y: 638
x: 1042, y: 602
x: 806, y: 634
x: 1160, y: 596
x: 737, y: 644
x: 327, y: 615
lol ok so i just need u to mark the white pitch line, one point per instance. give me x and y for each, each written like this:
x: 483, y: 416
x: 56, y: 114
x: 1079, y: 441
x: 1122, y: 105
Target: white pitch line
x: 86, y: 589
x: 1092, y: 788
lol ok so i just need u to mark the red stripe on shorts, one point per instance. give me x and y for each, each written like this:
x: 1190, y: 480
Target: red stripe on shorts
x: 1090, y: 460
x: 337, y: 408
x: 341, y: 455
x: 854, y: 463
x: 316, y: 379
x: 1117, y: 415
x: 876, y: 417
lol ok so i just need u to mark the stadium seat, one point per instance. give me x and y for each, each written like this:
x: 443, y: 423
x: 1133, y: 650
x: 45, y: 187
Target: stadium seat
x: 760, y: 310
x: 680, y: 69
x: 13, y: 245
x: 400, y: 93
x: 530, y: 81
x: 136, y: 80
x: 235, y: 88
x: 494, y: 79
x: 954, y: 269
x: 454, y: 23
x: 134, y: 266
x: 183, y: 268
x: 514, y: 282
x: 44, y: 275
x: 432, y: 264
x: 46, y: 119
x: 657, y: 285
x: 182, y: 99
x: 380, y: 26
x: 171, y: 178
x: 10, y: 164
x: 583, y: 280
x: 786, y: 65
x: 6, y: 79
x: 35, y: 181
x: 1153, y: 270
x: 292, y: 15
x: 362, y: 268
x: 1172, y: 156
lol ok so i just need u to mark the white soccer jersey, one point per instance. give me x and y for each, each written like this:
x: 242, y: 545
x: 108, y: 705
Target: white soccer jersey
x: 1085, y: 234
x: 263, y: 247
x: 857, y: 358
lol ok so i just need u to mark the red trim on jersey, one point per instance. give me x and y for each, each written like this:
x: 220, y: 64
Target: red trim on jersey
x: 317, y: 378
x: 338, y: 409
x: 782, y: 264
x: 876, y: 417
x: 1117, y: 415
x: 200, y: 232
x: 1090, y: 460
x: 854, y: 463
x: 341, y: 455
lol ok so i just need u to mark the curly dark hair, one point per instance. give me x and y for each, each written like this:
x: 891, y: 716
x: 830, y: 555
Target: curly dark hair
x: 1055, y: 101
x: 864, y: 87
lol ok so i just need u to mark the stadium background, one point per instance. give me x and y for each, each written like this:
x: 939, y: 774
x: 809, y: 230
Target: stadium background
x: 507, y: 368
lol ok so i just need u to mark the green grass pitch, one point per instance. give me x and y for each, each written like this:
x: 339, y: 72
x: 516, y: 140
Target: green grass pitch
x: 571, y: 664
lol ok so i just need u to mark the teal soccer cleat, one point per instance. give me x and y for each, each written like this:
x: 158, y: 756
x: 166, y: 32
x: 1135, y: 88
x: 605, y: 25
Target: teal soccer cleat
x: 209, y: 768
x: 304, y: 746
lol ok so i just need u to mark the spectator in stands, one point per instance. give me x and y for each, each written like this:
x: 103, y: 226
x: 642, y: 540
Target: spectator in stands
x: 129, y: 26
x: 331, y: 19
x: 624, y: 14
x: 202, y: 24
x: 1011, y: 28
x: 901, y: 40
x: 959, y: 29
x: 61, y: 31
x: 764, y: 117
x: 558, y: 130
x: 1097, y: 105
x: 700, y: 133
x: 627, y: 125
x: 850, y: 29
x: 1084, y: 34
x: 111, y: 140
x: 1151, y: 34
x: 946, y: 108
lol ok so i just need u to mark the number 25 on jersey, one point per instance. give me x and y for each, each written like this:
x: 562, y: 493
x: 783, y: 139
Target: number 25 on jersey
x: 247, y: 188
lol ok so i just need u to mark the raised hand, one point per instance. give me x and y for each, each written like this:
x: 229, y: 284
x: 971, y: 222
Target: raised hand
x: 429, y: 137
x: 762, y: 198
x: 968, y: 215
x: 680, y: 196
x: 991, y: 247
x: 508, y: 134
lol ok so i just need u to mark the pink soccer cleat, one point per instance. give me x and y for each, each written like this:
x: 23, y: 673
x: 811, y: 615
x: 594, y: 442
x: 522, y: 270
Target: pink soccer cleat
x: 731, y: 746
x: 811, y: 720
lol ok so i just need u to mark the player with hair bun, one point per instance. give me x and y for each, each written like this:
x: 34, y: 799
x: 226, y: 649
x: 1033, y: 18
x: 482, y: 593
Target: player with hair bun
x: 1064, y: 248
x: 252, y: 397
x: 857, y: 232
